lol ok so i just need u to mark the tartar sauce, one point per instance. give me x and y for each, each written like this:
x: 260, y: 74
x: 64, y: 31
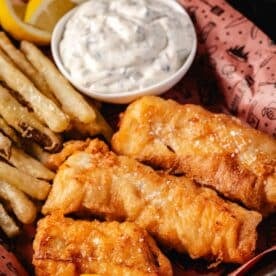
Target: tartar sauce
x: 125, y: 45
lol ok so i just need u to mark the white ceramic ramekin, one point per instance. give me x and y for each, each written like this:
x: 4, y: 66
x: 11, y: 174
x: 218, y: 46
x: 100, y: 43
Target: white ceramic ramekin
x: 122, y: 97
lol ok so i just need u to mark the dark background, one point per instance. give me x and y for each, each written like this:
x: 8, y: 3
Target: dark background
x: 261, y: 12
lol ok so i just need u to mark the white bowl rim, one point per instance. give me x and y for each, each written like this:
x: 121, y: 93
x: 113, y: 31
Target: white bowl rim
x: 173, y: 79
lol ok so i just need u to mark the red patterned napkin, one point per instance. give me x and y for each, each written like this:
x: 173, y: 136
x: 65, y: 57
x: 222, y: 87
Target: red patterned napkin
x: 235, y: 59
x: 9, y: 265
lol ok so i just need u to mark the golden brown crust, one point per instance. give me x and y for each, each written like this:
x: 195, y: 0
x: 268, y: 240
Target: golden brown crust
x: 214, y: 149
x: 55, y: 160
x: 63, y: 246
x: 177, y: 212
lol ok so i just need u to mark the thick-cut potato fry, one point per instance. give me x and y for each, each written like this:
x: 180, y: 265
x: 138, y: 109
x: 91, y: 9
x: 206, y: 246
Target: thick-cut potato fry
x: 25, y: 66
x: 22, y: 207
x: 46, y: 109
x: 100, y: 126
x: 9, y: 132
x: 71, y: 101
x: 7, y: 224
x: 37, y: 152
x: 2, y: 53
x: 33, y: 187
x: 26, y: 123
x: 19, y: 159
x: 27, y: 164
x: 5, y: 146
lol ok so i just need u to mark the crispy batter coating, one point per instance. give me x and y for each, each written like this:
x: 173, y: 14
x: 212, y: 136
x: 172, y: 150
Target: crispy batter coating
x: 213, y: 149
x: 55, y: 160
x: 64, y: 246
x: 177, y: 212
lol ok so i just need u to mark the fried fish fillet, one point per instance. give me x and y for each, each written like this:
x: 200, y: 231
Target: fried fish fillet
x: 64, y: 246
x: 177, y: 212
x: 213, y: 149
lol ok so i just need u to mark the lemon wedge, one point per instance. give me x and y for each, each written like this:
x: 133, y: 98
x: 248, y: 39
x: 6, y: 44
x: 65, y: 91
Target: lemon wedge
x: 12, y: 23
x: 19, y: 8
x: 44, y: 14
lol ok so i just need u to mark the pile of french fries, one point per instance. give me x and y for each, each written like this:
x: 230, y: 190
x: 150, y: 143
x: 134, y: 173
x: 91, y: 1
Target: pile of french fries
x: 37, y: 106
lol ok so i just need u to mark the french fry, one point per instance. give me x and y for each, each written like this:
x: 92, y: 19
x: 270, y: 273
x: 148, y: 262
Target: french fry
x: 33, y: 187
x: 44, y: 108
x: 18, y: 58
x: 104, y: 127
x: 5, y: 146
x: 7, y: 223
x: 2, y: 53
x: 100, y: 126
x: 71, y: 101
x: 19, y: 159
x: 22, y: 207
x: 9, y: 132
x: 37, y: 152
x: 27, y: 164
x: 26, y: 123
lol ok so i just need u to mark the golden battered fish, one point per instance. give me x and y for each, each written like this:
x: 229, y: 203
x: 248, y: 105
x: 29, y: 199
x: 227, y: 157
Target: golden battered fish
x: 214, y: 149
x: 177, y: 212
x: 67, y: 247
